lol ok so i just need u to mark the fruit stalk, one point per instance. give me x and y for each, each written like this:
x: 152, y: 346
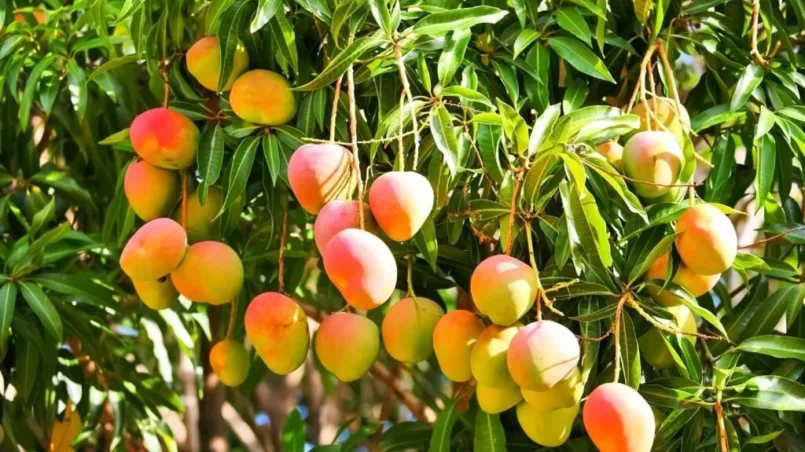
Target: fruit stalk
x: 232, y: 314
x: 353, y: 132
x: 406, y: 90
x: 722, y: 428
x: 283, y: 243
x: 334, y: 113
x: 616, y: 331
x: 515, y: 192
x: 660, y: 326
x: 641, y: 77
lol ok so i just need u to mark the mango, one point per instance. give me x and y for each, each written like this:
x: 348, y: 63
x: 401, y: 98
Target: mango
x: 407, y: 329
x: 347, y: 345
x: 165, y: 138
x: 263, y: 97
x: 488, y: 357
x: 707, y: 242
x: 655, y: 158
x: 361, y: 267
x: 211, y: 272
x: 694, y: 283
x: 542, y: 354
x: 547, y: 428
x: 618, y: 419
x: 503, y: 288
x: 653, y: 347
x: 453, y: 339
x: 66, y: 431
x: 157, y: 294
x: 204, y: 63
x: 155, y: 250
x: 613, y: 152
x: 202, y: 223
x: 152, y: 191
x: 564, y: 394
x: 338, y: 215
x: 497, y: 400
x: 230, y: 361
x: 277, y: 328
x: 320, y: 173
x: 664, y: 110
x: 401, y: 201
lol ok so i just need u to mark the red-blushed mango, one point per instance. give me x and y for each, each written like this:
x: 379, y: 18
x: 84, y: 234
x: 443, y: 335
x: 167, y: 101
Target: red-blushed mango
x: 618, y: 419
x: 230, y: 361
x: 347, y: 345
x: 407, y: 329
x: 211, y: 272
x: 202, y: 223
x: 547, y: 428
x: 654, y: 158
x: 320, y: 173
x: 665, y: 113
x: 497, y: 400
x: 401, y: 201
x: 338, y: 215
x: 542, y: 354
x: 653, y: 347
x: 263, y: 97
x: 613, y: 152
x: 152, y: 191
x: 157, y: 294
x: 564, y: 394
x: 691, y: 281
x: 503, y: 288
x: 488, y: 357
x: 204, y: 63
x: 453, y: 339
x: 277, y: 328
x: 361, y: 267
x: 155, y: 250
x: 707, y: 242
x: 165, y: 138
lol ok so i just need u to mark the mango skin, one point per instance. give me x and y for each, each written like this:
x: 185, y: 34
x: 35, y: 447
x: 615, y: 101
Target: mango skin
x: 407, y: 329
x: 361, y: 267
x: 211, y: 272
x: 165, y: 138
x: 157, y: 294
x: 155, y: 250
x: 497, y: 400
x: 201, y: 222
x: 453, y: 339
x: 653, y: 347
x: 204, y: 63
x: 542, y: 354
x: 230, y: 361
x: 708, y: 244
x: 344, y: 331
x: 654, y: 157
x: 547, y: 428
x: 613, y: 152
x: 488, y: 357
x: 665, y: 110
x: 320, y: 173
x: 263, y: 97
x: 152, y: 191
x: 564, y: 394
x: 503, y: 288
x: 338, y: 215
x: 618, y: 419
x: 694, y: 283
x: 277, y: 328
x: 401, y: 202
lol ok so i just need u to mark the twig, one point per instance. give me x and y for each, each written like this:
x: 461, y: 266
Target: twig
x: 334, y: 113
x: 533, y: 261
x: 400, y: 138
x: 166, y: 89
x: 636, y: 306
x: 515, y: 192
x: 636, y: 181
x: 595, y: 339
x: 407, y: 90
x: 753, y: 35
x: 616, y: 331
x: 722, y: 428
x: 640, y: 77
x: 353, y: 132
x: 345, y: 143
x: 283, y: 243
x: 669, y: 76
x: 772, y: 238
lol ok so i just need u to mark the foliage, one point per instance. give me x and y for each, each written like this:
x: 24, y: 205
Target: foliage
x: 507, y: 101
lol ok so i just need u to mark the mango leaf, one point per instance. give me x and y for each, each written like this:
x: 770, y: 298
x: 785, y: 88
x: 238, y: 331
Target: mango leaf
x: 43, y: 308
x: 770, y: 393
x: 265, y: 11
x: 452, y: 56
x: 766, y: 158
x: 426, y: 243
x: 580, y: 57
x: 31, y: 85
x: 442, y: 431
x: 441, y: 127
x: 406, y: 436
x: 8, y: 300
x: 524, y: 39
x: 380, y: 11
x: 750, y: 79
x: 457, y: 19
x: 231, y: 24
x: 283, y: 36
x: 293, y: 433
x: 659, y: 249
x: 642, y: 9
x: 239, y: 172
x: 489, y: 434
x: 210, y: 158
x: 466, y: 94
x: 630, y: 353
x: 688, y: 300
x: 572, y: 21
x: 775, y: 346
x: 488, y: 139
x: 514, y: 127
x: 542, y: 128
x: 340, y: 62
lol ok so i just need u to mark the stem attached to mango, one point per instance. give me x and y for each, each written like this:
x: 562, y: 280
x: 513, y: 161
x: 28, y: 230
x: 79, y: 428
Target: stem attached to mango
x: 283, y: 244
x: 353, y: 132
x: 406, y: 89
x: 616, y: 331
x: 334, y: 112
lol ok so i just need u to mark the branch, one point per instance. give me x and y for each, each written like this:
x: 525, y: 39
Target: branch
x: 753, y: 30
x: 616, y: 331
x: 772, y: 238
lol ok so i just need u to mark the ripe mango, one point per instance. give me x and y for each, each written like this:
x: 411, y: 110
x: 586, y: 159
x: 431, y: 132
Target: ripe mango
x: 707, y: 242
x: 613, y: 152
x: 655, y: 158
x: 152, y: 191
x: 338, y: 215
x: 211, y: 272
x: 665, y: 113
x: 347, y: 345
x: 320, y: 173
x: 542, y: 354
x: 453, y: 339
x: 407, y: 329
x: 277, y: 327
x: 693, y: 282
x: 547, y: 428
x: 157, y: 294
x: 497, y: 400
x: 202, y: 223
x: 263, y: 97
x: 204, y: 63
x: 155, y: 250
x: 230, y: 361
x: 653, y: 347
x: 165, y: 138
x: 564, y: 394
x: 488, y: 357
x: 401, y: 201
x: 618, y: 419
x: 503, y: 288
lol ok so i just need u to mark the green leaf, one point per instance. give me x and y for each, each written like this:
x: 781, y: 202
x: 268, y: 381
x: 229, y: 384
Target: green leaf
x: 776, y: 346
x: 283, y: 35
x: 380, y: 11
x: 771, y: 393
x: 231, y: 24
x: 575, y: 95
x: 265, y: 11
x: 642, y: 9
x: 31, y: 84
x: 572, y: 21
x: 466, y: 94
x: 452, y: 56
x: 26, y: 365
x: 688, y: 300
x: 8, y: 301
x: 426, y: 243
x: 405, y: 436
x: 630, y: 352
x: 293, y: 433
x: 112, y: 64
x: 117, y: 137
x: 750, y: 79
x: 457, y: 19
x: 514, y: 127
x: 542, y: 128
x: 580, y: 57
x: 273, y: 156
x: 441, y: 127
x: 442, y: 431
x: 489, y: 434
x: 714, y: 116
x: 210, y: 158
x: 43, y: 308
x: 643, y: 265
x: 339, y: 64
x: 582, y: 231
x: 766, y: 158
x: 48, y: 213
x: 242, y: 163
x: 524, y: 39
